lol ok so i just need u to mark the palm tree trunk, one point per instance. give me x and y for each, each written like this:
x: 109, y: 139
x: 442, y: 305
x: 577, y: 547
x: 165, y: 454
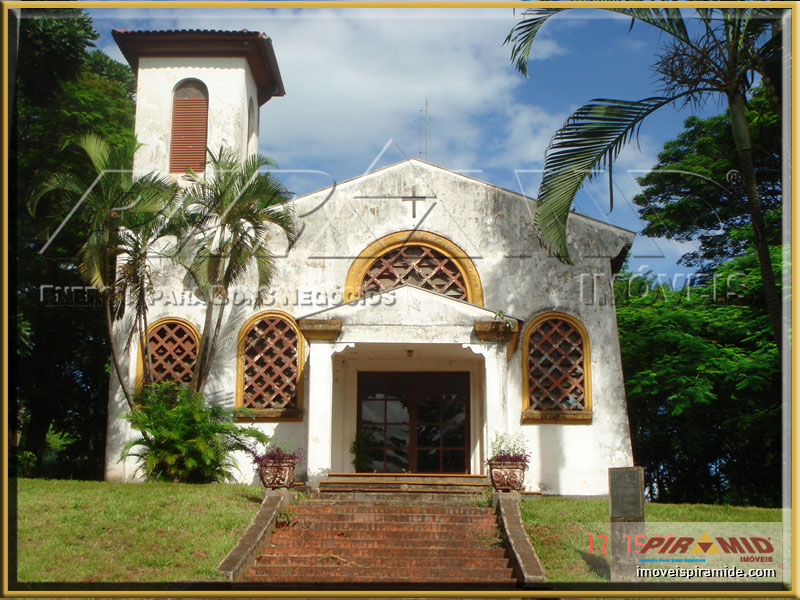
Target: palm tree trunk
x: 202, y: 365
x: 212, y: 349
x: 741, y: 136
x: 145, y: 340
x: 115, y: 357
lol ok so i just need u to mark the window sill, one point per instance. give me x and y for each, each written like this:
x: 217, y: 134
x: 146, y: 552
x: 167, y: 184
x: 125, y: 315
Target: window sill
x: 561, y: 417
x: 272, y: 414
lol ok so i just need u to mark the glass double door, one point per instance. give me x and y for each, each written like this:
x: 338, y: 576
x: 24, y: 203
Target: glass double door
x: 417, y: 422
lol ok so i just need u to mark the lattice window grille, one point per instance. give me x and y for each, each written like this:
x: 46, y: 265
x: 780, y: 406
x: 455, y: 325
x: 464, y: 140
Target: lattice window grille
x: 555, y: 367
x: 416, y: 265
x: 270, y: 365
x: 173, y: 352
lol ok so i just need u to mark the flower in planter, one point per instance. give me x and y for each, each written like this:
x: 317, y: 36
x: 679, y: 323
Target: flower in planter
x: 274, y: 454
x: 508, y: 461
x: 509, y: 448
x: 276, y: 465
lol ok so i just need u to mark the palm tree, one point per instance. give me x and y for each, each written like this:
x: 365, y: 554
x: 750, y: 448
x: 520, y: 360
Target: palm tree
x: 229, y: 213
x: 125, y: 215
x: 721, y: 55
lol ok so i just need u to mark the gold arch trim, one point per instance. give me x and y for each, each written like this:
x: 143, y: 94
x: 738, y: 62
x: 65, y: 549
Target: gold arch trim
x: 143, y: 340
x: 357, y: 271
x: 530, y: 415
x: 271, y: 414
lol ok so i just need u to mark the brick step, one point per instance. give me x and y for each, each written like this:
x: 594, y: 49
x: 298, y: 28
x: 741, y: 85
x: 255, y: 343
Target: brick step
x: 420, y: 543
x: 420, y: 535
x: 389, y: 518
x: 324, y: 507
x: 422, y: 486
x: 272, y: 552
x: 306, y: 574
x: 451, y: 497
x: 378, y: 562
x: 408, y: 477
x: 399, y: 527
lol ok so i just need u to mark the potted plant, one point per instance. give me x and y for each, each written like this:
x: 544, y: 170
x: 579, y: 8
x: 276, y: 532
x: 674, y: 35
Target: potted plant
x: 276, y: 466
x: 508, y: 461
x: 361, y: 449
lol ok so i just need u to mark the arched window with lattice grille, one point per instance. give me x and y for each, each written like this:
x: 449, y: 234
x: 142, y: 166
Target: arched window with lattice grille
x: 172, y: 344
x: 420, y: 258
x: 556, y: 370
x: 415, y: 265
x: 270, y: 356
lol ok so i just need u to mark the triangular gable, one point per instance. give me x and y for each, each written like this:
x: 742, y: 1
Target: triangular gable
x: 415, y: 170
x: 406, y: 305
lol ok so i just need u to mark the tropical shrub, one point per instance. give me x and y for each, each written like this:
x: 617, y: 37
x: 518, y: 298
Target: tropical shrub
x: 183, y: 439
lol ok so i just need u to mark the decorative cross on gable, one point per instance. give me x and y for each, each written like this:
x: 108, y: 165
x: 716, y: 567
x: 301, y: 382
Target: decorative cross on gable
x: 413, y: 198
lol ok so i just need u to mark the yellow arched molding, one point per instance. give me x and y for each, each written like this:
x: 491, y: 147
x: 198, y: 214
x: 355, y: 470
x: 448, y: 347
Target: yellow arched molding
x: 143, y: 340
x: 271, y: 414
x: 378, y: 248
x: 557, y: 416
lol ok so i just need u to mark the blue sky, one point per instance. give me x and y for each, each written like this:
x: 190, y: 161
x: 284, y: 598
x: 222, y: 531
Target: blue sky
x: 356, y: 80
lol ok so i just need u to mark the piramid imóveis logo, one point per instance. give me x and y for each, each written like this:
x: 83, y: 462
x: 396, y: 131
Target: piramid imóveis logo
x: 705, y: 544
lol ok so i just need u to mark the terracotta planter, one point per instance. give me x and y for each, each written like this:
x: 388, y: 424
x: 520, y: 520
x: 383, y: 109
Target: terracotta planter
x: 507, y: 476
x: 277, y: 473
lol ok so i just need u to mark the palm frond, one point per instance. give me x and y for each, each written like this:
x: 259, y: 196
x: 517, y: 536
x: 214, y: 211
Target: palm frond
x: 523, y: 33
x: 668, y: 20
x: 97, y: 151
x: 592, y: 136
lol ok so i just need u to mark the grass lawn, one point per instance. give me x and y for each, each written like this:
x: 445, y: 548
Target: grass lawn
x: 83, y: 531
x: 95, y: 531
x: 559, y: 529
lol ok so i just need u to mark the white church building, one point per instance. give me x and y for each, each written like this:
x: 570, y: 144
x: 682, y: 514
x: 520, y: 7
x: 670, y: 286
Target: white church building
x: 417, y: 302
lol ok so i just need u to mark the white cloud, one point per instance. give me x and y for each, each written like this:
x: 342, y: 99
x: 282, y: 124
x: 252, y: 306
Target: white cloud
x: 353, y: 83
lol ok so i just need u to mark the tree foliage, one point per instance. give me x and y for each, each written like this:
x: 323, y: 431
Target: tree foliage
x: 695, y: 192
x: 702, y: 378
x: 63, y: 88
x: 720, y: 52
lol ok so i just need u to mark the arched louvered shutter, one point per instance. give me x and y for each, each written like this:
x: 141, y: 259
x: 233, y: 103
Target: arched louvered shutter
x: 189, y: 127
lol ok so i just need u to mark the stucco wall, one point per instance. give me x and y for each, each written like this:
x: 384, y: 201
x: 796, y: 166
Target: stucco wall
x: 494, y: 227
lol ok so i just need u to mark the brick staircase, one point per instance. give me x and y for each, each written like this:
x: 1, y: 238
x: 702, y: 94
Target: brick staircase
x: 444, y: 486
x: 398, y: 543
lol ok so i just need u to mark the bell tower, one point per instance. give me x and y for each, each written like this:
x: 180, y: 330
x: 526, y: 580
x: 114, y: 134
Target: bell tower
x: 197, y: 89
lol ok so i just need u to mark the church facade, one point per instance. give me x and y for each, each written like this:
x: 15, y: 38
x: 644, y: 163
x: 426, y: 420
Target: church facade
x: 416, y: 306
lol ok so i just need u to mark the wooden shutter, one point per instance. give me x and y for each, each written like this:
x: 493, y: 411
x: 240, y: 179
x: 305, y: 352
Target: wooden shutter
x: 189, y: 130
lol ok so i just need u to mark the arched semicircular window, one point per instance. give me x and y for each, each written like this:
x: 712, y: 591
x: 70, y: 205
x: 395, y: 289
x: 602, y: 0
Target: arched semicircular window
x: 270, y: 363
x: 189, y: 127
x: 556, y: 370
x: 173, y: 351
x: 417, y: 265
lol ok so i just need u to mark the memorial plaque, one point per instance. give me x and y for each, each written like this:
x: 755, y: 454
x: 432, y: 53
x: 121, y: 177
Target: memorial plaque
x: 626, y: 509
x: 626, y: 493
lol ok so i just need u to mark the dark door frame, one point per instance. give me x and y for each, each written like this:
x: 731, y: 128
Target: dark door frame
x: 414, y: 383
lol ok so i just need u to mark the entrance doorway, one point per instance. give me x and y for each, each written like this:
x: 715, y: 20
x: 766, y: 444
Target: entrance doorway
x: 417, y: 422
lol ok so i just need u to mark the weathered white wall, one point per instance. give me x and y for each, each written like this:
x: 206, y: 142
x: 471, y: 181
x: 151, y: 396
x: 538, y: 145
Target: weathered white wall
x: 230, y: 85
x: 494, y: 227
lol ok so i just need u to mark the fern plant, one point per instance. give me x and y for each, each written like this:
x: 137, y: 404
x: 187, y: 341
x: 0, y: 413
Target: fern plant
x: 183, y: 439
